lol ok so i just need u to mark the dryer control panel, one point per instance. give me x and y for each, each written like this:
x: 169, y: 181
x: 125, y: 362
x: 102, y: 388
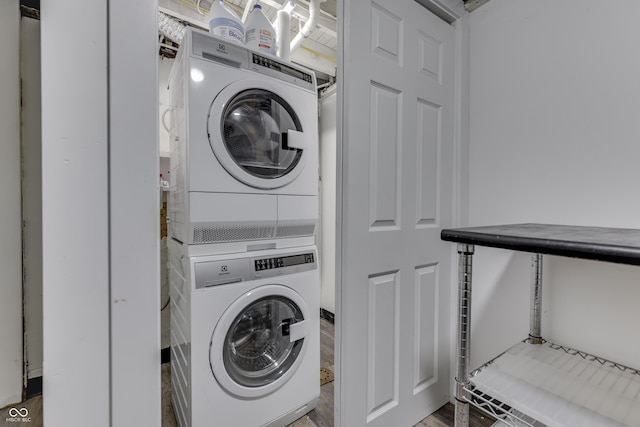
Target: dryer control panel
x: 206, y: 46
x: 279, y: 69
x: 224, y: 272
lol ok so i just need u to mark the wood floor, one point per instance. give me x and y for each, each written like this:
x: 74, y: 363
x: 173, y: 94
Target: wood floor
x: 322, y: 416
x: 33, y: 408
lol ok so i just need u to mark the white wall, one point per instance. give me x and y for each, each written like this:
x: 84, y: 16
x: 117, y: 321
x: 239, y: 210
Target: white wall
x: 554, y: 108
x: 10, y: 221
x: 327, y: 129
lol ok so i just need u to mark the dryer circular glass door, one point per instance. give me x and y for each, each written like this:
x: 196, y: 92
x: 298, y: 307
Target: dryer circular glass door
x: 256, y: 135
x: 260, y: 341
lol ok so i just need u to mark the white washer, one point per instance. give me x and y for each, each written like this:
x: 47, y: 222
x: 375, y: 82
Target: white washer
x: 244, y: 156
x: 245, y: 335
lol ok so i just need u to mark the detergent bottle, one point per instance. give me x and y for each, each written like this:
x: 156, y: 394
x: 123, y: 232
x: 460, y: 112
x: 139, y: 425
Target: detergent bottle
x: 224, y: 23
x: 260, y: 35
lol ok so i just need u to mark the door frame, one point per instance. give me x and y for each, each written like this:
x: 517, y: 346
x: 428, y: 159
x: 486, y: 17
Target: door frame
x: 101, y: 293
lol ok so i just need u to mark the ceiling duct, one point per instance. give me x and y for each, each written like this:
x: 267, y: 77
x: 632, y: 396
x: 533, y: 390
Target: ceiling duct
x: 170, y: 28
x: 441, y: 9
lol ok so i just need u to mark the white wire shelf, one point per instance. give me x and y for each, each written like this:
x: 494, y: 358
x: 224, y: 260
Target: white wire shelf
x: 536, y: 385
x: 499, y: 410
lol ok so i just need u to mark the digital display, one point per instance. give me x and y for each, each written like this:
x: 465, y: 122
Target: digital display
x: 286, y: 261
x: 285, y: 69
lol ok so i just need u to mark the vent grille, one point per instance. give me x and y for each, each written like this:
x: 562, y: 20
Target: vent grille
x: 212, y: 233
x: 203, y: 233
x: 296, y: 229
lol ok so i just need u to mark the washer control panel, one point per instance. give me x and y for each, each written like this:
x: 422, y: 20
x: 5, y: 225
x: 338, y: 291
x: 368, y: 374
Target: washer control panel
x: 224, y: 272
x: 262, y: 264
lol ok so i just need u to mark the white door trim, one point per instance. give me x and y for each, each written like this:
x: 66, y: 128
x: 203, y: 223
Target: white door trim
x: 100, y: 164
x: 75, y: 214
x: 134, y: 215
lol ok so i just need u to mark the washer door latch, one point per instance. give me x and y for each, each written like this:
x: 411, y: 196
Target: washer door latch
x: 295, y: 331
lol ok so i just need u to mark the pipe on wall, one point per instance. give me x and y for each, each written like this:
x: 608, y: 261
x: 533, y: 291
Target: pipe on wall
x: 314, y: 12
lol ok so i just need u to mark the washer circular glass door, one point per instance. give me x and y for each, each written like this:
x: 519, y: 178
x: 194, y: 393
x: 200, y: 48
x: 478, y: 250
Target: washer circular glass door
x: 253, y: 132
x: 260, y: 341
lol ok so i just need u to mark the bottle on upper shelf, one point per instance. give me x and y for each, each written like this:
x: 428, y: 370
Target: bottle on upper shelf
x: 224, y: 23
x: 260, y: 34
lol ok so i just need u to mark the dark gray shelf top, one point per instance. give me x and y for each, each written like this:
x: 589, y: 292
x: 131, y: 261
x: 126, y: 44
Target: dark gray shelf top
x: 617, y: 245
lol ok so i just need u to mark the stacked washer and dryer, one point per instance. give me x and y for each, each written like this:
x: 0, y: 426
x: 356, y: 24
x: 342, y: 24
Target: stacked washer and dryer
x: 243, y: 207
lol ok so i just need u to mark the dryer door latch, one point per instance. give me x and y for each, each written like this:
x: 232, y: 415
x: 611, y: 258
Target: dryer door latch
x: 296, y: 139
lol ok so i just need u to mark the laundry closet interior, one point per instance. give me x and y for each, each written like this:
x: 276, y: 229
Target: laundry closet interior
x: 256, y: 238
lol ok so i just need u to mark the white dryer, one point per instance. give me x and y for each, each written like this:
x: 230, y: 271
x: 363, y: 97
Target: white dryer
x: 244, y: 156
x: 245, y: 334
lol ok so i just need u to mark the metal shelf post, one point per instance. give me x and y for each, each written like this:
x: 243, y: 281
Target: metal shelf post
x: 465, y: 264
x: 535, y: 316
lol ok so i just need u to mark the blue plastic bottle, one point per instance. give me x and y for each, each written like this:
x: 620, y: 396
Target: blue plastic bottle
x: 224, y: 23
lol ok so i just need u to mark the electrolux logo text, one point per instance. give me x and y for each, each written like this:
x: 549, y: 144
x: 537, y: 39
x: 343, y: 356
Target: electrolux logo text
x: 18, y: 416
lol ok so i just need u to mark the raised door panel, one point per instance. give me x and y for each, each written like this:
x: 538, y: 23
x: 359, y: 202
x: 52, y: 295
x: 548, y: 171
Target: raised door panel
x: 384, y: 197
x: 382, y: 356
x: 386, y: 34
x: 430, y: 56
x: 427, y: 177
x: 425, y: 350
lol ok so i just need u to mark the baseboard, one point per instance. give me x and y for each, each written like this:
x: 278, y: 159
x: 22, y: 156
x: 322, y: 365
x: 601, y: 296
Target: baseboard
x: 327, y: 315
x: 165, y: 355
x: 34, y: 387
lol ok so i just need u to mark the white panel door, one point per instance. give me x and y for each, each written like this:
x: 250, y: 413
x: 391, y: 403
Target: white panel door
x: 395, y: 187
